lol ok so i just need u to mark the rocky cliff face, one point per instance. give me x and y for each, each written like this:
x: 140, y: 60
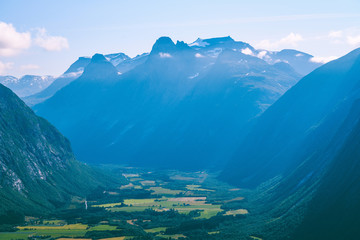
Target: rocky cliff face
x: 37, y: 167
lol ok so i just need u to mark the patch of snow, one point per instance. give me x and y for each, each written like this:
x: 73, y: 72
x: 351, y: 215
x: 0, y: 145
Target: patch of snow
x: 73, y: 74
x: 247, y: 51
x: 242, y: 61
x: 262, y: 54
x: 214, y: 52
x: 198, y: 55
x: 194, y: 76
x: 117, y: 59
x: 278, y: 61
x: 165, y: 55
x: 199, y: 43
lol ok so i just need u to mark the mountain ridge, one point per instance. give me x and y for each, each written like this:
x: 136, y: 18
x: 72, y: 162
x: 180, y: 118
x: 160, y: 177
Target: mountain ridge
x: 37, y: 168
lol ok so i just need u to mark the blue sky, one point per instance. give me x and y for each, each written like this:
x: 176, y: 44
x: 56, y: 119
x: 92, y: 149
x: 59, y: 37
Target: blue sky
x: 45, y: 37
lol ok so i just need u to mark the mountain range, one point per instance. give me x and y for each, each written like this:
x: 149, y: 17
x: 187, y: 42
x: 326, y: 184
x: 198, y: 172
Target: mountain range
x: 307, y: 115
x: 304, y: 149
x: 180, y: 103
x: 26, y: 85
x: 277, y: 123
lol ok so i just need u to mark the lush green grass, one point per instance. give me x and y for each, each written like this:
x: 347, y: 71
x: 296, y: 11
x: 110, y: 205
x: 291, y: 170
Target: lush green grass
x: 181, y: 196
x: 54, y: 222
x: 129, y: 209
x: 14, y: 235
x: 255, y: 238
x: 175, y: 236
x: 148, y: 183
x: 234, y: 199
x: 183, y: 205
x: 209, y: 213
x: 198, y: 188
x: 140, y: 202
x: 156, y: 230
x: 102, y: 228
x: 73, y: 239
x: 164, y: 191
x: 130, y: 175
x: 78, y: 226
x: 236, y: 212
x: 136, y: 179
x: 23, y: 234
x: 116, y: 238
x: 71, y: 230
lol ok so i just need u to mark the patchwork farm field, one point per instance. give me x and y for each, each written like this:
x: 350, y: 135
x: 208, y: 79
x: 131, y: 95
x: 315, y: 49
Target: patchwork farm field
x: 161, y: 205
x: 183, y: 205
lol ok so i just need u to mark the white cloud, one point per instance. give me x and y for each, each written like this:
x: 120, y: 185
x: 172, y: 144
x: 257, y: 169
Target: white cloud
x: 322, y: 59
x: 335, y: 34
x: 198, y: 55
x: 247, y: 51
x: 165, y: 55
x: 5, y: 66
x: 11, y: 41
x: 29, y: 67
x: 353, y: 40
x: 50, y: 43
x: 290, y: 40
x: 262, y: 54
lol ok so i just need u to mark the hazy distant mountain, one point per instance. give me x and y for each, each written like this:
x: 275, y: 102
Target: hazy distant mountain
x: 208, y: 48
x: 26, y: 85
x: 74, y: 71
x: 117, y: 58
x: 182, y: 106
x: 304, y: 151
x: 37, y: 167
x: 131, y: 63
x: 302, y: 62
x: 124, y: 62
x: 300, y: 125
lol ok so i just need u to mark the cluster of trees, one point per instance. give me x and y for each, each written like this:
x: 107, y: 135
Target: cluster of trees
x: 12, y: 217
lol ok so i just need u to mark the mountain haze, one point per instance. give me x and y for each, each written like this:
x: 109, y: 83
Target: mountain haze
x: 26, y: 85
x: 302, y: 122
x: 184, y: 103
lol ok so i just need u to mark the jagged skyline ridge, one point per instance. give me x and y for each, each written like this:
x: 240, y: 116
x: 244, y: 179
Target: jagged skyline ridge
x: 321, y: 28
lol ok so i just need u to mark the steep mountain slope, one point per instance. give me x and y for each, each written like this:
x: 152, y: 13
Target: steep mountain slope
x: 334, y: 212
x: 38, y: 171
x: 299, y: 125
x: 26, y: 85
x: 181, y: 108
